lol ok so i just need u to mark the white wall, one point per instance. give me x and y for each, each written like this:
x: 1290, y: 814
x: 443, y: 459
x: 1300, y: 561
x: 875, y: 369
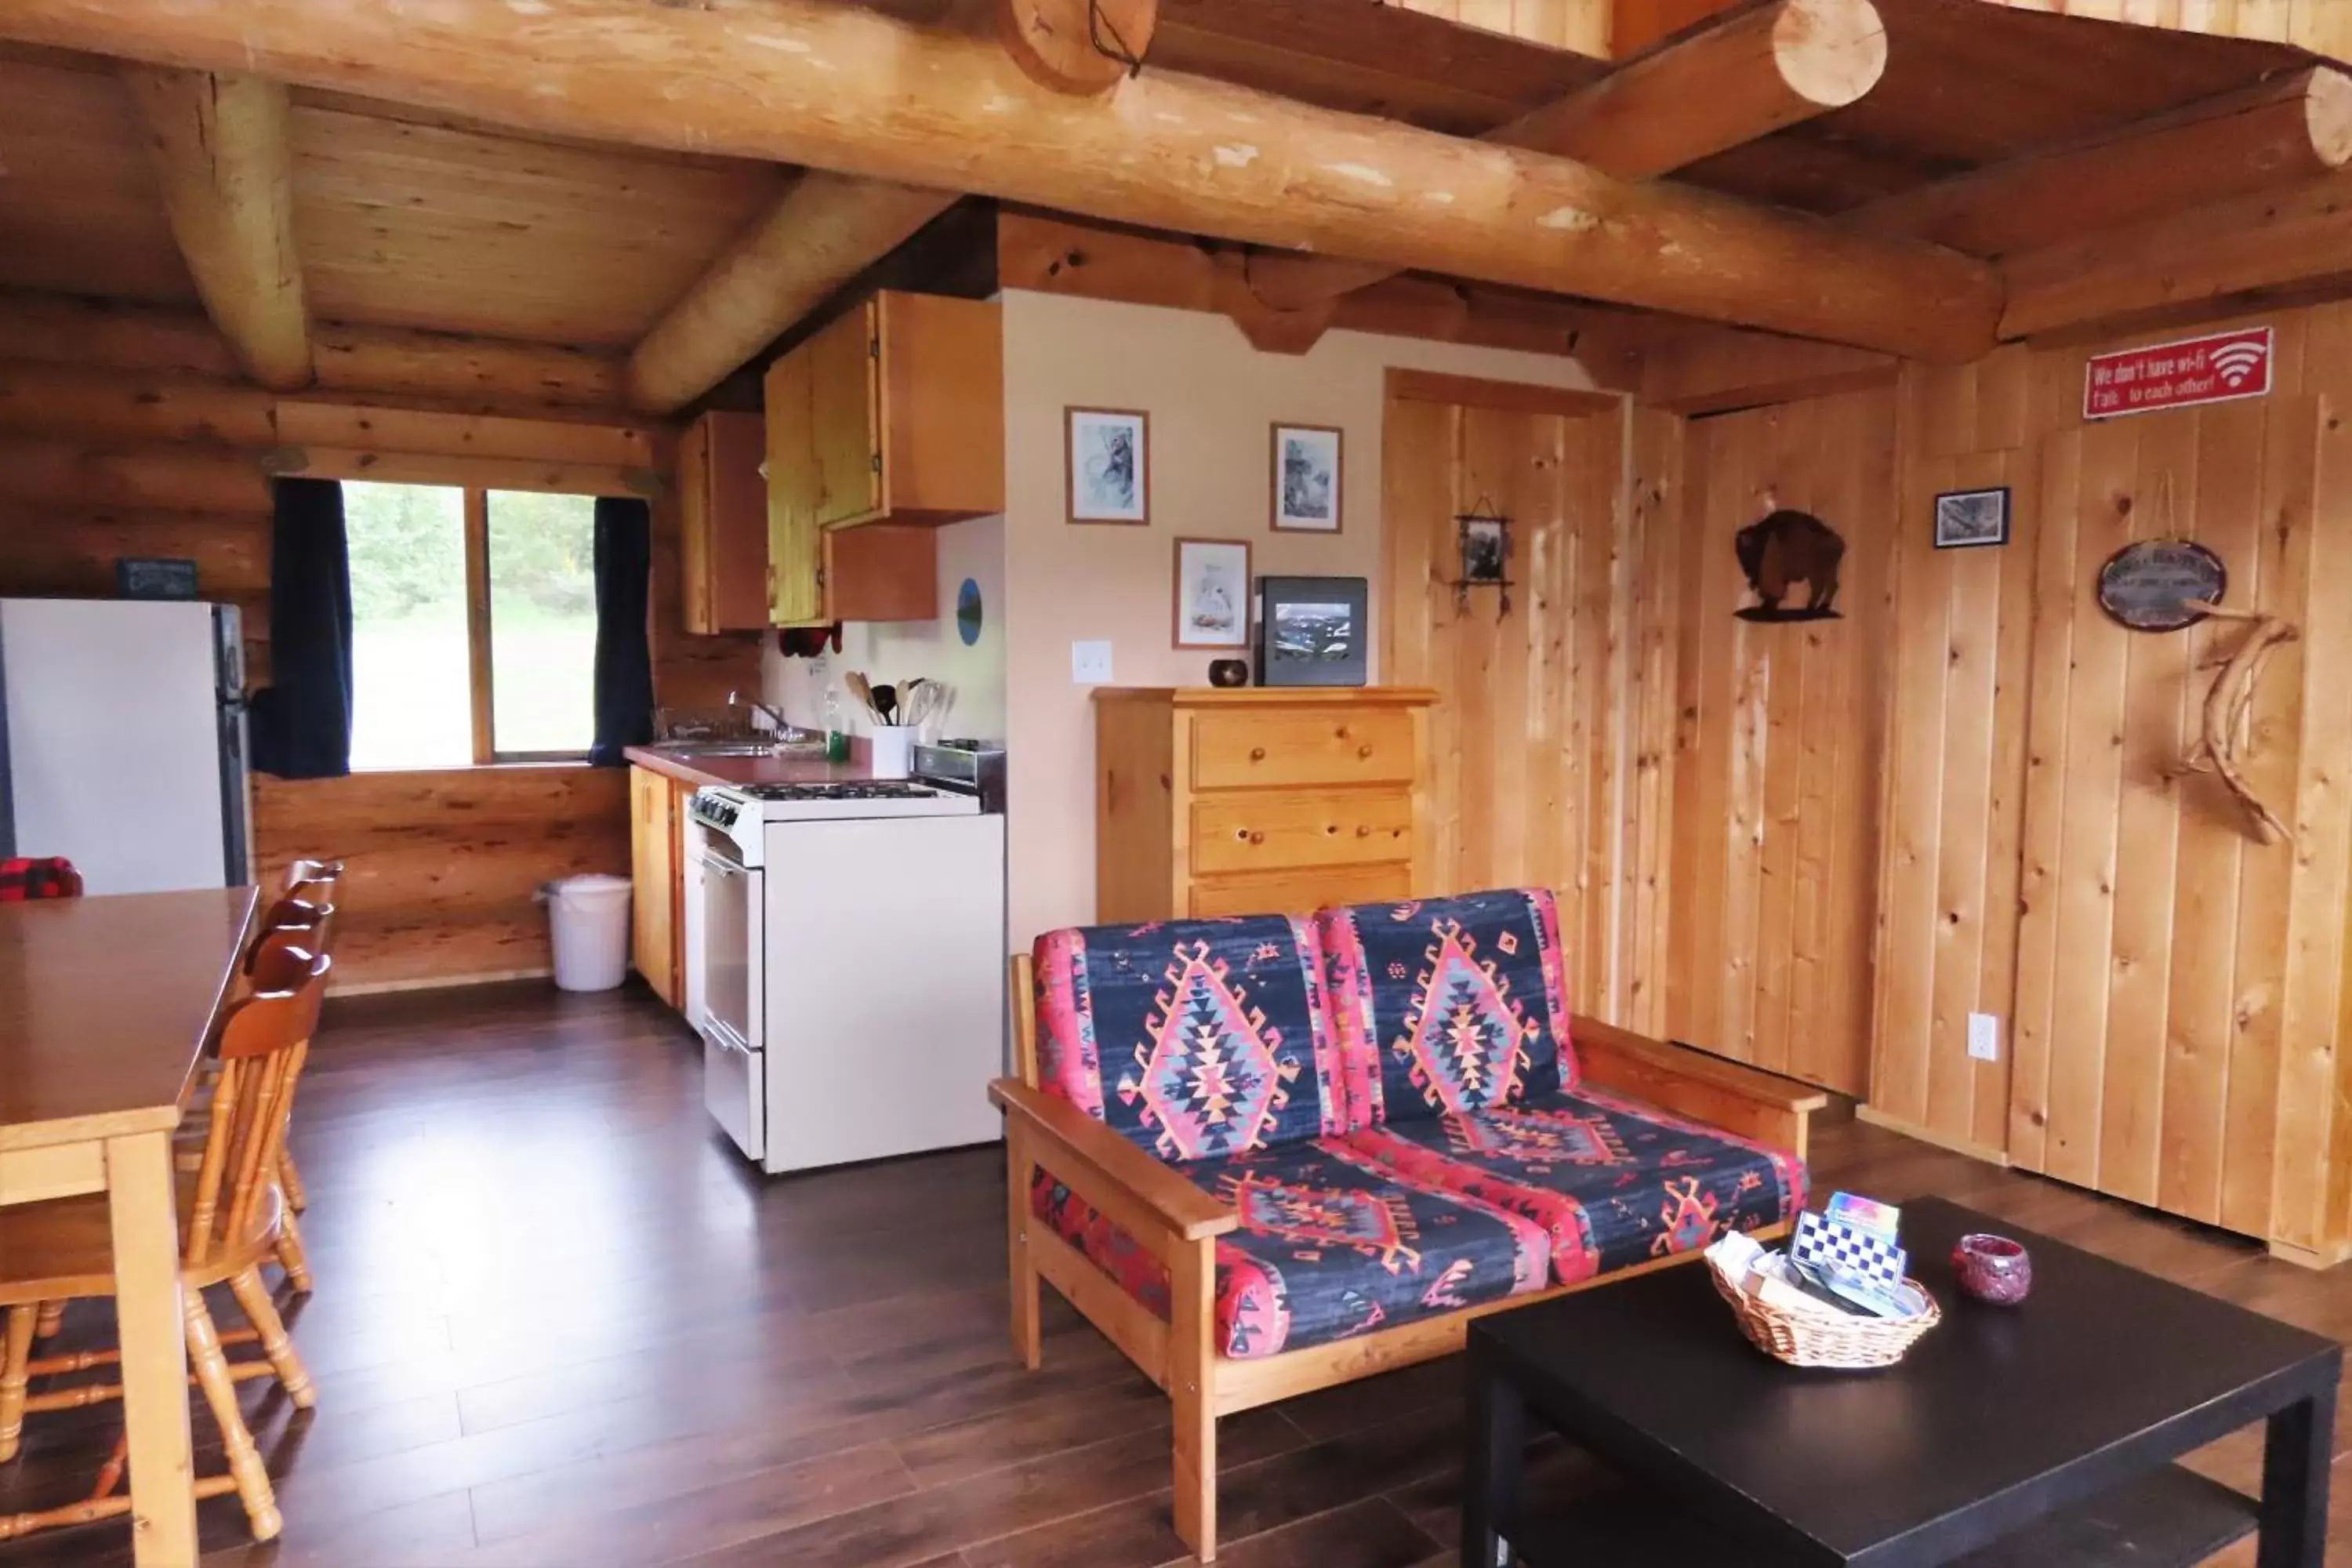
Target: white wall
x: 898, y: 651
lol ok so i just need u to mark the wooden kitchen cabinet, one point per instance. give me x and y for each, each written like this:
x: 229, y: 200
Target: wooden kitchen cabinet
x: 657, y: 873
x: 894, y: 413
x: 868, y: 451
x: 1212, y: 803
x: 723, y: 523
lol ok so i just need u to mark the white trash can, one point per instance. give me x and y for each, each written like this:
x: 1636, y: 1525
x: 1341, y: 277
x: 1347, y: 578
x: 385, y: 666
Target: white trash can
x: 588, y: 919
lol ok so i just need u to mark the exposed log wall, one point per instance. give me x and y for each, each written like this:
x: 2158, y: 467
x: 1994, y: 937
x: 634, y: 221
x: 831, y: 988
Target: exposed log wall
x: 124, y: 433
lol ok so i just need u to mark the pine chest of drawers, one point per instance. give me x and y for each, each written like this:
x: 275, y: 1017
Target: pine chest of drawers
x: 1257, y: 801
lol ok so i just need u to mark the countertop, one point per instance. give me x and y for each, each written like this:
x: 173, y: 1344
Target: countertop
x: 707, y: 772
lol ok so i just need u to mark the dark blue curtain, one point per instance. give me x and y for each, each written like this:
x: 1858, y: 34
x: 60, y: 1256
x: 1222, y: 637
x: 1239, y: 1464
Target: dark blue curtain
x: 625, y: 666
x: 301, y: 723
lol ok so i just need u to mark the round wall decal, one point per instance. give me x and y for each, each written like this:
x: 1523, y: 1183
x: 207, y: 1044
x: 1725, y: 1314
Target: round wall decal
x: 2147, y: 585
x: 968, y: 612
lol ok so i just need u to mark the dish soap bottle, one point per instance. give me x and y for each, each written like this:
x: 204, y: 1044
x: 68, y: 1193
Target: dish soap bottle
x: 836, y: 733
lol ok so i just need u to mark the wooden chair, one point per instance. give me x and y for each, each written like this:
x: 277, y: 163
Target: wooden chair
x: 301, y: 921
x: 308, y: 906
x: 231, y: 1213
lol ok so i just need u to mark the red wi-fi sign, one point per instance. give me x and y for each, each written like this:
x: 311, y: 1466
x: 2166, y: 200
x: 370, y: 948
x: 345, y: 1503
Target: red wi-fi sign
x: 2216, y: 368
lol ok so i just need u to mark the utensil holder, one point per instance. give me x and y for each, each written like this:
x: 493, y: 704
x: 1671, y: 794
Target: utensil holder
x: 893, y: 755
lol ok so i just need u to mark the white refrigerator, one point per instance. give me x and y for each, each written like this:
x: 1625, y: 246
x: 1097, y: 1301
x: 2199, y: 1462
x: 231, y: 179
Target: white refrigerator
x: 122, y: 743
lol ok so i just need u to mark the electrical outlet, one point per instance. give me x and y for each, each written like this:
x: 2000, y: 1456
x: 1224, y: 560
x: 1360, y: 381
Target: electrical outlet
x: 1984, y: 1036
x: 1090, y: 663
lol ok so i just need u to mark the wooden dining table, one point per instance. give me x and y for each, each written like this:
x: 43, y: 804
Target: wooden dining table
x: 105, y: 1007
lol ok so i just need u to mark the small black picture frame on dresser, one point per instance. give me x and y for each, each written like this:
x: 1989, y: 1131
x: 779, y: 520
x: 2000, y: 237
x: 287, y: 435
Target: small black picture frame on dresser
x: 1312, y: 631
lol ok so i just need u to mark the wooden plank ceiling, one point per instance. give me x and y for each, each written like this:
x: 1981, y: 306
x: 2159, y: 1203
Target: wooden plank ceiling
x: 406, y: 219
x: 401, y: 218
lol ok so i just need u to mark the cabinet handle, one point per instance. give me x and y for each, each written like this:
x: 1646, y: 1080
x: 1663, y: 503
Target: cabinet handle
x: 1257, y: 753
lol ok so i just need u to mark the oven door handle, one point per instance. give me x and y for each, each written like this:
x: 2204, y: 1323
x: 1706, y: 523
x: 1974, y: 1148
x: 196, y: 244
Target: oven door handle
x: 721, y: 864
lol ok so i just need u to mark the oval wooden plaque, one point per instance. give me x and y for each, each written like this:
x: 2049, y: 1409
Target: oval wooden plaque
x: 2146, y: 586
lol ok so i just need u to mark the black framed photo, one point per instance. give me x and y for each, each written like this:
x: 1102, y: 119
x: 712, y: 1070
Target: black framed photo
x: 1969, y: 520
x: 1313, y: 631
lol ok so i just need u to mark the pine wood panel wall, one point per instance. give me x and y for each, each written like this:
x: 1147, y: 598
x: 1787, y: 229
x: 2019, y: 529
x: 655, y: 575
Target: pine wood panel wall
x: 1776, y: 767
x: 1525, y: 733
x: 126, y: 433
x: 2171, y: 991
x: 1963, y: 628
x: 2320, y: 26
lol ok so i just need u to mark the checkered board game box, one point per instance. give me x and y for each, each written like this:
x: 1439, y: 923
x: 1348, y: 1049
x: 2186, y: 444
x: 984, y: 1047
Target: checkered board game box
x: 1843, y: 1251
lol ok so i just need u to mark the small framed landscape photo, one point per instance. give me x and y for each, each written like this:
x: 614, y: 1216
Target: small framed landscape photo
x: 1966, y: 520
x: 1307, y: 464
x: 1109, y: 464
x: 1213, y: 586
x: 1311, y: 631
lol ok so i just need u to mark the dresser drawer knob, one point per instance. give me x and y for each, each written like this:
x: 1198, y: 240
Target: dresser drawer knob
x: 1362, y: 832
x: 1257, y: 838
x: 1257, y: 753
x: 1365, y: 750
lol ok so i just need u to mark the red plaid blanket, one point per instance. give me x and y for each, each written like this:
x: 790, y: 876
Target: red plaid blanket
x: 24, y: 879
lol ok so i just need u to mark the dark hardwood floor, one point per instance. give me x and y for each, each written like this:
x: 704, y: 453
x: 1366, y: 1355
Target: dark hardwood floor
x: 559, y: 1325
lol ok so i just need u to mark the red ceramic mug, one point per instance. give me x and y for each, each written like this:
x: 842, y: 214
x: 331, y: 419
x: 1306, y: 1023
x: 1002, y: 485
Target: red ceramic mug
x: 1993, y: 1268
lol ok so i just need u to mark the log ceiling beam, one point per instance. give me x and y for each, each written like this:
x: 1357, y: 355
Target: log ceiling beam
x: 1746, y: 76
x: 2264, y: 137
x: 222, y: 155
x: 819, y: 234
x: 1068, y: 44
x: 840, y: 87
x: 2169, y: 266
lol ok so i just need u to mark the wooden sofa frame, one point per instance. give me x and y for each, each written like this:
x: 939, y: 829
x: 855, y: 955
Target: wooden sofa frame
x: 1178, y: 1223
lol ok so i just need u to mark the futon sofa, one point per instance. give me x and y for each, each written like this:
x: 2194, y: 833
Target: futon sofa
x: 1268, y: 1155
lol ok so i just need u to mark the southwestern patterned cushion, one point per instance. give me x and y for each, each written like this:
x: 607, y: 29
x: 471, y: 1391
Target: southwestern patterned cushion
x: 1332, y: 1245
x: 1448, y: 1005
x: 1613, y: 1181
x: 1193, y: 1039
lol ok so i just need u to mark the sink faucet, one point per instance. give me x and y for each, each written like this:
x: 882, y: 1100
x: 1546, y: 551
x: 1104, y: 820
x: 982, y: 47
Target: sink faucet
x: 776, y: 719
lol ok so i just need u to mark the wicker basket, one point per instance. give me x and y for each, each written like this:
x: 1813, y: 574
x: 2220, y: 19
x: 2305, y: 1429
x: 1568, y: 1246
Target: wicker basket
x: 1835, y: 1340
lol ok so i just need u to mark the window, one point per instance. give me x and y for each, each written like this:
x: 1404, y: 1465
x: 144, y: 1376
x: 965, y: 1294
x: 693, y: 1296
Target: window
x: 473, y: 624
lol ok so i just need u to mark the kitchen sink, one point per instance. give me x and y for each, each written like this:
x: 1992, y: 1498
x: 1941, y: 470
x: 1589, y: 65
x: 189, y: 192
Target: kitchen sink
x: 741, y: 748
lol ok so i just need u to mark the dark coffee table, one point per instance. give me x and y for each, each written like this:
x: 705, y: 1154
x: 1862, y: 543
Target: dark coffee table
x: 2028, y: 1438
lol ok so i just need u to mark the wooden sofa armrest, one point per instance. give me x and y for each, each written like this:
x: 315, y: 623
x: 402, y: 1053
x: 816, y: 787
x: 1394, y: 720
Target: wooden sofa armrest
x: 1739, y: 1099
x: 1088, y: 1155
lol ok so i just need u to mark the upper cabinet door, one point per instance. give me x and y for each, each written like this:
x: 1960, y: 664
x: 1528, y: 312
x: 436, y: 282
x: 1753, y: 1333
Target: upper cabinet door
x: 795, y: 583
x: 844, y: 368
x: 723, y: 523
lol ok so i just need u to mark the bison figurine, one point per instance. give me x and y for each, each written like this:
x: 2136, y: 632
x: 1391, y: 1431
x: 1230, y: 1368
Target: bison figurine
x: 1787, y: 548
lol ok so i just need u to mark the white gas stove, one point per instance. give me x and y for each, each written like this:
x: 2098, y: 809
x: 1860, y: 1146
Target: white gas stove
x: 845, y: 967
x: 743, y: 813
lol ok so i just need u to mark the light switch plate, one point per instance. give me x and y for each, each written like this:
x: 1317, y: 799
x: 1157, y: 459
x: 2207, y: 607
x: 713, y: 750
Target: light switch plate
x: 1090, y: 663
x: 1984, y: 1036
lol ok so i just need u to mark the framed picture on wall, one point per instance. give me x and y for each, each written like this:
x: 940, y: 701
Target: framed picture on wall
x: 1967, y: 520
x: 1307, y: 464
x: 1213, y: 584
x: 1108, y: 458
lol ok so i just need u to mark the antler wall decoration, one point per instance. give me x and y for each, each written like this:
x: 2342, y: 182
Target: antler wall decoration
x: 2221, y: 747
